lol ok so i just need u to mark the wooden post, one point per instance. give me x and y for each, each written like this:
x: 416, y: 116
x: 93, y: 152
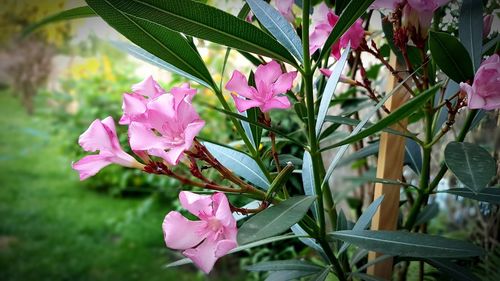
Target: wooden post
x: 389, y: 166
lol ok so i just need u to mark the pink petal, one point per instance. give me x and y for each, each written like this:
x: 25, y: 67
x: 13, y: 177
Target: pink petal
x: 134, y: 106
x: 148, y: 87
x: 238, y: 84
x: 474, y: 101
x: 196, y: 204
x: 492, y: 102
x: 206, y: 254
x: 96, y: 137
x: 320, y: 12
x: 266, y: 74
x: 183, y: 93
x: 285, y: 9
x: 191, y: 132
x: 222, y: 210
x: 325, y: 71
x: 284, y: 83
x: 180, y: 233
x: 172, y: 156
x: 276, y: 102
x: 243, y: 104
x: 203, y: 256
x: 143, y: 138
x: 385, y: 4
x: 318, y: 38
x: 164, y: 106
x: 90, y: 165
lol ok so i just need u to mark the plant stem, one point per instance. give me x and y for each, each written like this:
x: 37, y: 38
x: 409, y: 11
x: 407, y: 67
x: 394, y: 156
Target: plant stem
x: 428, y: 188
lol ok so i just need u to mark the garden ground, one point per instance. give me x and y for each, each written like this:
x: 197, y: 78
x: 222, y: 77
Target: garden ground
x: 51, y: 228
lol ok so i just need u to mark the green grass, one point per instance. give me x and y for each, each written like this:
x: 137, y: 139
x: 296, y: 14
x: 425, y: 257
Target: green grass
x: 51, y: 228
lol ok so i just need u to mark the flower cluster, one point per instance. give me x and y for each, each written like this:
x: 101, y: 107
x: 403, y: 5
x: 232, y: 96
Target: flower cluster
x: 485, y: 90
x: 164, y: 125
x: 325, y: 21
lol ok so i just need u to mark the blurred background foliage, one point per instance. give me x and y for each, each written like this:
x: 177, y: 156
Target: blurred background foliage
x: 53, y: 227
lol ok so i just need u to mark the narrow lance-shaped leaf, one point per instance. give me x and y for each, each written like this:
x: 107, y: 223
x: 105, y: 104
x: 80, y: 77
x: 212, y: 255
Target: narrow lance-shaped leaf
x: 488, y: 194
x: 470, y: 29
x: 278, y: 26
x: 408, y: 244
x: 365, y: 219
x: 413, y: 156
x: 161, y: 42
x: 287, y: 275
x: 470, y: 163
x: 202, y: 21
x: 284, y: 265
x: 71, y: 14
x: 274, y: 220
x: 451, y: 56
x: 357, y: 129
x: 397, y: 115
x: 240, y: 163
x: 458, y: 273
x: 143, y: 55
x: 242, y: 247
x: 330, y: 88
x: 349, y: 15
x: 308, y: 180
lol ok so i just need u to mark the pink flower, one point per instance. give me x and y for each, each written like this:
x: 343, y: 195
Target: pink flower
x: 271, y: 83
x: 206, y: 240
x: 169, y: 126
x: 485, y: 90
x: 385, y: 4
x: 487, y: 21
x: 285, y: 9
x: 324, y: 27
x: 101, y: 135
x: 134, y: 104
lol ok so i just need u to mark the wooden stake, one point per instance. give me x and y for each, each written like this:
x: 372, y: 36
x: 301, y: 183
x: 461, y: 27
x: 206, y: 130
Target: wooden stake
x: 389, y: 166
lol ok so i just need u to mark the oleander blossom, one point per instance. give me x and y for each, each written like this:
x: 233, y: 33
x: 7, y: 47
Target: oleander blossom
x: 485, y: 90
x: 206, y: 240
x: 169, y: 126
x: 135, y: 103
x: 101, y: 136
x: 325, y: 21
x: 285, y: 9
x: 271, y: 85
x: 416, y: 13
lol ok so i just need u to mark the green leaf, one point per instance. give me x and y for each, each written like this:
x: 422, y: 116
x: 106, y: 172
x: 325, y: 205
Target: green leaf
x: 284, y: 265
x: 427, y: 214
x: 287, y: 275
x: 278, y: 26
x: 349, y: 15
x: 202, y: 21
x: 369, y: 150
x: 354, y: 122
x: 322, y: 275
x: 330, y: 88
x: 168, y: 45
x: 413, y: 156
x: 280, y: 180
x: 458, y: 273
x: 274, y: 220
x: 365, y: 219
x: 488, y: 194
x: 308, y: 180
x: 357, y: 129
x: 299, y: 231
x: 239, y: 163
x: 367, y: 277
x: 451, y: 56
x: 397, y: 115
x: 75, y: 13
x: 470, y: 163
x: 241, y: 248
x: 141, y: 54
x: 470, y: 29
x: 252, y: 122
x: 408, y: 244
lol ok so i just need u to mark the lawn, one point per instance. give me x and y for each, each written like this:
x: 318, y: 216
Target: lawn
x: 52, y: 228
